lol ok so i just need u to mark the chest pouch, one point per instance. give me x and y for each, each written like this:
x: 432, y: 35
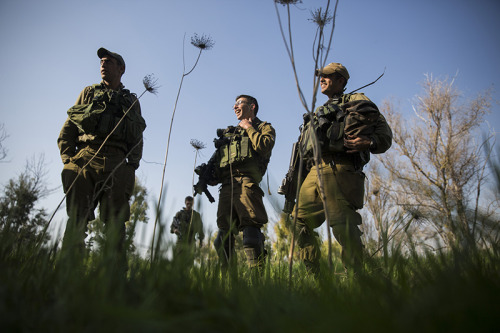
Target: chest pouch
x: 233, y: 148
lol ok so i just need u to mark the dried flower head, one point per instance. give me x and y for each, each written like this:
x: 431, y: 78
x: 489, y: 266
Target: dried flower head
x: 202, y: 42
x: 197, y: 144
x: 287, y: 2
x: 150, y: 83
x: 321, y: 18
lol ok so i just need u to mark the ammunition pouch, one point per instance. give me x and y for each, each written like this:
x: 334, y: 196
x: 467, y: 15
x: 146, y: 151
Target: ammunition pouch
x: 234, y: 147
x: 104, y: 113
x: 332, y: 122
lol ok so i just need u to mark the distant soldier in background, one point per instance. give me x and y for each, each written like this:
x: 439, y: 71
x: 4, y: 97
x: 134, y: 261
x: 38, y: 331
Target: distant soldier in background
x: 109, y: 178
x: 186, y: 224
x: 349, y: 127
x: 240, y: 161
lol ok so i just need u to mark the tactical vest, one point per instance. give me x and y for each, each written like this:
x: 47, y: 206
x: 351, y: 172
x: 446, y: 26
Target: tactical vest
x: 337, y: 119
x: 104, y: 112
x: 234, y: 147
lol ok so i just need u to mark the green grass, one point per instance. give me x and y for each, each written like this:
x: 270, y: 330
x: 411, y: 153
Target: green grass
x: 42, y: 291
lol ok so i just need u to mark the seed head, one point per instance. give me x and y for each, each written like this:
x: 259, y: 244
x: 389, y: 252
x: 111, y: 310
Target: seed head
x: 287, y: 2
x: 320, y: 18
x: 202, y: 42
x: 197, y: 144
x: 150, y: 83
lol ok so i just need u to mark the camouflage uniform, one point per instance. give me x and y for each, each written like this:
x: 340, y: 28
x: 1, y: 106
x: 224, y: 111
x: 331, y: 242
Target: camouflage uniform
x: 78, y: 144
x: 186, y: 228
x: 242, y: 161
x: 343, y: 182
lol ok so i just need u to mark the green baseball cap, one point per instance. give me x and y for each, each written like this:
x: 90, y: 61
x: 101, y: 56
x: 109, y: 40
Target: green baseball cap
x: 103, y: 52
x: 332, y: 68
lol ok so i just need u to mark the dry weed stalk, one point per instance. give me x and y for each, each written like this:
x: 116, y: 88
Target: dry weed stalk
x: 320, y: 53
x: 203, y: 43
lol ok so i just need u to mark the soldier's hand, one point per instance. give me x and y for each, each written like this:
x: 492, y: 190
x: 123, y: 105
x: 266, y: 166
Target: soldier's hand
x: 356, y: 144
x: 245, y: 123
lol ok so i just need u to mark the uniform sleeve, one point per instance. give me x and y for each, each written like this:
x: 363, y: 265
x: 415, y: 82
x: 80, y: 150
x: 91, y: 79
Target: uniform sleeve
x: 382, y: 136
x: 383, y: 133
x: 135, y: 149
x: 69, y: 133
x: 67, y: 141
x: 172, y: 226
x: 263, y: 140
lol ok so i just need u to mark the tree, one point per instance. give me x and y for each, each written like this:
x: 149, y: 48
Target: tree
x: 437, y: 163
x: 20, y: 222
x: 138, y: 212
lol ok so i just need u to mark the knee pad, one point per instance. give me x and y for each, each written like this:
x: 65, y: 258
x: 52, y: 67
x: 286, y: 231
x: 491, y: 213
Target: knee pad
x: 253, y: 238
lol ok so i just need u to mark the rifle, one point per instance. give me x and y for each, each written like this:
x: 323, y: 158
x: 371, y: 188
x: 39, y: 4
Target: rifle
x: 290, y: 183
x: 175, y: 228
x: 206, y: 175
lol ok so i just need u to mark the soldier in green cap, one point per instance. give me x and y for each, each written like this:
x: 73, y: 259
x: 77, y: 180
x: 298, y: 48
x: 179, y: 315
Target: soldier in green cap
x: 109, y: 178
x: 243, y: 153
x: 348, y: 128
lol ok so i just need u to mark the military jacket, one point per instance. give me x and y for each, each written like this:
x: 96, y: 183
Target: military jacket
x: 347, y: 114
x: 245, y: 153
x: 77, y: 134
x: 187, y: 227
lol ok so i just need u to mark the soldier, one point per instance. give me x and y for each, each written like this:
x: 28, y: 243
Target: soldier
x: 109, y: 178
x: 187, y: 223
x: 349, y: 127
x: 241, y: 159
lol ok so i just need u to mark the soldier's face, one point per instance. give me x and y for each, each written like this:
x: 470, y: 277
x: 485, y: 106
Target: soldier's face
x: 111, y: 69
x: 189, y: 205
x: 243, y: 109
x: 331, y: 85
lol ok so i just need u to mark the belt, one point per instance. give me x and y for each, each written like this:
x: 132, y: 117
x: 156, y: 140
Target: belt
x: 105, y: 148
x: 339, y: 158
x: 238, y: 180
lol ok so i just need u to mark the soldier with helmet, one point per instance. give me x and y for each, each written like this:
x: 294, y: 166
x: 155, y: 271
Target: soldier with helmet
x: 348, y: 128
x: 94, y: 173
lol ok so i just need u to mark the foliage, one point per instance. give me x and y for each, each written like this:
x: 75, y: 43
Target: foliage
x: 411, y: 294
x: 20, y: 221
x: 437, y: 167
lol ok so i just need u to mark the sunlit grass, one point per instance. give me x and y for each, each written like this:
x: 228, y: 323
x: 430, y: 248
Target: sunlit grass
x: 453, y: 291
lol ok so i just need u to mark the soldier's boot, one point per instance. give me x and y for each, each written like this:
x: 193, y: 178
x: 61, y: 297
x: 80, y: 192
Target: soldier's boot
x: 349, y: 237
x: 253, y: 244
x: 309, y: 249
x: 225, y: 246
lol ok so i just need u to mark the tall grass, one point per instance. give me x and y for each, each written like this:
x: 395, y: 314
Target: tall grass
x: 454, y: 291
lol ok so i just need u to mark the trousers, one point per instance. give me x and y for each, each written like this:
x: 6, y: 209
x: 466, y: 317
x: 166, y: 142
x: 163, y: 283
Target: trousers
x: 344, y: 191
x: 105, y: 181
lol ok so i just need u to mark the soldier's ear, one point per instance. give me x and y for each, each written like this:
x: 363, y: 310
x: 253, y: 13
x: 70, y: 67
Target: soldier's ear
x: 252, y: 107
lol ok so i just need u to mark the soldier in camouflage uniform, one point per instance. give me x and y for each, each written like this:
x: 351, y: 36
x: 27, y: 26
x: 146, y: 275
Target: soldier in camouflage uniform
x: 108, y: 180
x: 242, y: 155
x: 349, y: 127
x: 187, y: 223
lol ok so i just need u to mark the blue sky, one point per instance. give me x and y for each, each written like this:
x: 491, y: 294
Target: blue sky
x: 48, y: 56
